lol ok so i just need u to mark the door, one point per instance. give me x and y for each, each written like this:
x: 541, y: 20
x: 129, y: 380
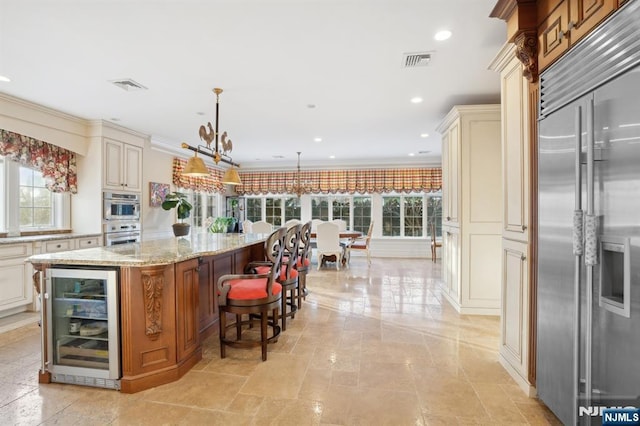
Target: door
x: 616, y: 331
x: 556, y: 301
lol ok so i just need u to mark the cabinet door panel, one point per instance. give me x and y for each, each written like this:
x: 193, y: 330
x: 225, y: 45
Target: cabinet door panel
x: 187, y: 331
x: 454, y: 173
x: 586, y: 14
x: 515, y: 305
x: 113, y: 155
x: 552, y: 36
x: 207, y: 293
x: 133, y: 168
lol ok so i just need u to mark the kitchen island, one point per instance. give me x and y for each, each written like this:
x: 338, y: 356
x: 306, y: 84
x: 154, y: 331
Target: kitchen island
x: 167, y: 299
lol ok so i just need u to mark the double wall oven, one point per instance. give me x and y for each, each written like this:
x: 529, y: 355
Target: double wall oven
x: 121, y: 218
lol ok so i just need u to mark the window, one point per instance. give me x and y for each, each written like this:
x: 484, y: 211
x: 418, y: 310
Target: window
x: 320, y: 208
x: 273, y: 210
x: 412, y: 216
x: 36, y: 208
x: 391, y: 216
x: 254, y: 209
x: 205, y: 205
x: 361, y: 214
x: 403, y: 216
x: 434, y: 212
x: 36, y: 201
x: 341, y: 209
x: 292, y: 208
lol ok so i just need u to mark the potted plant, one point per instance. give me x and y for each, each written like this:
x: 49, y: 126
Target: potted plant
x: 222, y: 224
x: 183, y: 207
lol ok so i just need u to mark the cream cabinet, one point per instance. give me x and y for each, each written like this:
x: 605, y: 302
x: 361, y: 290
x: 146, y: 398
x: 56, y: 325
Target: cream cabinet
x: 516, y: 323
x: 472, y: 194
x: 122, y: 166
x: 451, y: 174
x: 16, y: 290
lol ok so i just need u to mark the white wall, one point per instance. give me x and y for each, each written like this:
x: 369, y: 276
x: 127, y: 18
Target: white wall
x: 157, y: 167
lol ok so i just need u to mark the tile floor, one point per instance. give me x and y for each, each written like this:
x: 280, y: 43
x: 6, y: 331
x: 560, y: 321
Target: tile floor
x: 372, y: 345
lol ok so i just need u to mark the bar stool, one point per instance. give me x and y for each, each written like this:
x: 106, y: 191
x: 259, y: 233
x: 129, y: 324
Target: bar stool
x: 304, y: 261
x: 253, y: 294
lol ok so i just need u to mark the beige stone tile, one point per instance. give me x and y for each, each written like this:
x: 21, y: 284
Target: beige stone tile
x: 38, y: 405
x: 344, y: 378
x: 315, y: 384
x: 289, y: 412
x: 233, y: 365
x: 279, y: 377
x: 214, y: 418
x: 151, y: 413
x: 199, y: 389
x: 386, y: 376
x: 245, y: 404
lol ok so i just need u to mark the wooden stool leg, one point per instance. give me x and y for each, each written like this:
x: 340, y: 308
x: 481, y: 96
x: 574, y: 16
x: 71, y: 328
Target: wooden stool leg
x: 238, y: 326
x: 284, y: 310
x: 223, y: 324
x: 263, y: 334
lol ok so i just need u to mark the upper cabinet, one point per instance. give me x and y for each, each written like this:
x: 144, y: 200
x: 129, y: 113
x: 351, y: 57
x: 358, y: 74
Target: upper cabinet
x: 561, y: 24
x: 122, y: 166
x: 450, y: 175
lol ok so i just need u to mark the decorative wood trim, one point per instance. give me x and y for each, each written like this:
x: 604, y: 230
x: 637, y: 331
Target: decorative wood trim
x: 527, y: 52
x: 152, y: 285
x: 534, y: 94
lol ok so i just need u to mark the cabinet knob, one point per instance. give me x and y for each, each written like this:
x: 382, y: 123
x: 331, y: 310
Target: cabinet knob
x: 448, y: 217
x: 561, y: 35
x: 571, y: 25
x: 88, y: 242
x: 524, y: 227
x: 58, y: 246
x: 523, y: 257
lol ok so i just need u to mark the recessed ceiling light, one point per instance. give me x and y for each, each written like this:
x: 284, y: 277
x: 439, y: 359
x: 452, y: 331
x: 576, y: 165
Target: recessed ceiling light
x: 199, y: 113
x: 317, y: 139
x: 5, y: 79
x: 114, y: 119
x: 332, y: 156
x: 411, y: 154
x: 278, y: 156
x: 416, y: 100
x: 423, y: 152
x: 442, y: 35
x: 311, y: 106
x: 424, y: 135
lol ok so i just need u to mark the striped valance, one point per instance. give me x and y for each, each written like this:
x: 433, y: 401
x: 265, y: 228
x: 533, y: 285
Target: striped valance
x: 342, y: 181
x: 211, y: 183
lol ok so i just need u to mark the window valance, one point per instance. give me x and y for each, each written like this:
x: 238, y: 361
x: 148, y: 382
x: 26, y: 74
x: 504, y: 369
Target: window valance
x: 342, y: 181
x: 58, y: 165
x: 211, y: 183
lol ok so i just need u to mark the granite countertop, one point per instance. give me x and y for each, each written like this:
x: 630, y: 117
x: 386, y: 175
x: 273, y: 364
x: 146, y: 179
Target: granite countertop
x: 155, y: 252
x: 45, y: 237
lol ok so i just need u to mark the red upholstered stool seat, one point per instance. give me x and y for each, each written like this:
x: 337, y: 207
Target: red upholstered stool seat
x: 253, y: 289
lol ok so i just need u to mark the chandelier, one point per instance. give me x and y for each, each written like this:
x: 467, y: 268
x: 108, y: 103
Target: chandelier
x: 220, y: 151
x: 298, y: 187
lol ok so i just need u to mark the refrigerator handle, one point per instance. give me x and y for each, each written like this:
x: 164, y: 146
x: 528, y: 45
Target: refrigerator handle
x: 578, y: 246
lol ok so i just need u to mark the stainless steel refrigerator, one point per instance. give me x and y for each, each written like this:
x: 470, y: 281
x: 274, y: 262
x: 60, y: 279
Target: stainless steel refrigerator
x: 588, y: 306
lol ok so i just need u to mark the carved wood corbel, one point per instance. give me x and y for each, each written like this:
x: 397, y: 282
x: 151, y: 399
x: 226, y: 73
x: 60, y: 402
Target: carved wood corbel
x: 152, y: 286
x: 526, y: 43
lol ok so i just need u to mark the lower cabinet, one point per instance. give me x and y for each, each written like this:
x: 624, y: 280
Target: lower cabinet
x: 16, y: 288
x: 187, y: 307
x: 514, y: 322
x: 451, y: 264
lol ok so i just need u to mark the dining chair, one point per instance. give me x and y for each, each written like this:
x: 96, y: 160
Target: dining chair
x: 291, y: 222
x: 434, y: 244
x: 261, y: 227
x: 315, y: 223
x: 362, y: 243
x: 342, y: 224
x: 247, y: 227
x: 328, y: 243
x: 253, y: 294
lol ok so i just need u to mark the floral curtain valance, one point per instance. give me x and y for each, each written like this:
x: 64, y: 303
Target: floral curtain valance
x: 211, y: 183
x: 342, y: 181
x: 58, y: 165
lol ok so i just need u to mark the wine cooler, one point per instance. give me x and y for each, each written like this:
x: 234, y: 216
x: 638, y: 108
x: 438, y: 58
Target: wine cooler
x: 83, y: 326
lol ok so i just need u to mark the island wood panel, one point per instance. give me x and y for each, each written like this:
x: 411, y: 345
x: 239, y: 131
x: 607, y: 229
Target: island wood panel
x: 187, y: 308
x: 148, y: 321
x: 208, y: 312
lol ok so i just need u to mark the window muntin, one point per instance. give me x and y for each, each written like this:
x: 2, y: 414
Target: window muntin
x: 292, y: 208
x: 254, y: 209
x: 320, y: 208
x: 36, y: 201
x: 434, y: 213
x: 413, y: 213
x: 361, y: 213
x: 341, y: 208
x: 273, y: 211
x: 391, y: 221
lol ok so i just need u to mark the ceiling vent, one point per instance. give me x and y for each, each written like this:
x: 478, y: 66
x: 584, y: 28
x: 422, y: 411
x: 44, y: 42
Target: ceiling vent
x: 412, y: 60
x: 128, y: 84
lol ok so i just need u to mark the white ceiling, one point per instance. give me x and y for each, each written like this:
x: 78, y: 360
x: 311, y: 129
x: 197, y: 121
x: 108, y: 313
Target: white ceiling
x: 273, y: 58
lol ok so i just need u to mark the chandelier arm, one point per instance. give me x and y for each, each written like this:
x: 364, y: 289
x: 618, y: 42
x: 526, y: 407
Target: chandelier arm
x: 209, y: 154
